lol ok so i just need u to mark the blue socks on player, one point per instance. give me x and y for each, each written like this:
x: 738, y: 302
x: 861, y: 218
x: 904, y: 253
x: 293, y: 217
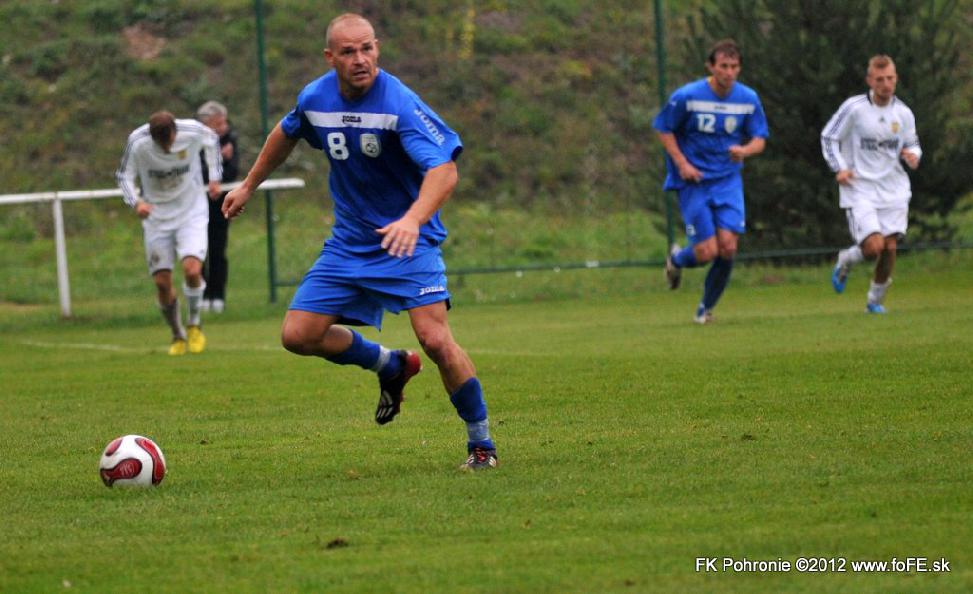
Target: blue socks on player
x: 468, y: 399
x: 685, y: 258
x: 368, y: 355
x: 716, y: 280
x: 471, y: 407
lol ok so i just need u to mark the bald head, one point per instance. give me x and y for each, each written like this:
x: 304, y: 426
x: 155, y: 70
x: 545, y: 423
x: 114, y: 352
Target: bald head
x: 348, y: 19
x: 352, y: 51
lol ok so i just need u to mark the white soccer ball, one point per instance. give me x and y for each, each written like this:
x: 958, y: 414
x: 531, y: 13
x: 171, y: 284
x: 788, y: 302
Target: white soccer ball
x: 132, y: 461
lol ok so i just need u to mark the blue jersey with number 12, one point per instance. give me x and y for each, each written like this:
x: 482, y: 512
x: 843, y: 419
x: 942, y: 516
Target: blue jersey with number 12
x: 706, y: 126
x: 380, y: 147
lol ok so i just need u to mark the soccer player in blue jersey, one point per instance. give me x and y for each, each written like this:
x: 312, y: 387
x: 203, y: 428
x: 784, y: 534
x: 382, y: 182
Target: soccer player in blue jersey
x: 393, y: 165
x: 708, y: 128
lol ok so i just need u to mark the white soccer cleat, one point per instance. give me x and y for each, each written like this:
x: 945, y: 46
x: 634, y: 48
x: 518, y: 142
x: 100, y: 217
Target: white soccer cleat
x: 703, y: 316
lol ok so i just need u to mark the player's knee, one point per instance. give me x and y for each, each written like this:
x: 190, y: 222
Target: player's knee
x: 728, y: 252
x: 192, y: 268
x: 872, y: 247
x: 437, y: 344
x: 705, y: 252
x: 293, y: 340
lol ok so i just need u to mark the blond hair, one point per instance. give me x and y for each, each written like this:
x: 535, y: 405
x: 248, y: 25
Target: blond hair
x: 880, y: 61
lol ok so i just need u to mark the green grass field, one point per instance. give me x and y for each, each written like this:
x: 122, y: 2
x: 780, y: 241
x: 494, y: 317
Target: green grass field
x: 631, y: 442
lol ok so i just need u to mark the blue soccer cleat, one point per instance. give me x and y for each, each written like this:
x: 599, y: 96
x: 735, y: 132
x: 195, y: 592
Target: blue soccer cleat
x: 875, y: 308
x: 839, y: 276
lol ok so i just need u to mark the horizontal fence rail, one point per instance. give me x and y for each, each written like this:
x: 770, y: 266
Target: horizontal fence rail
x: 56, y: 199
x: 287, y: 183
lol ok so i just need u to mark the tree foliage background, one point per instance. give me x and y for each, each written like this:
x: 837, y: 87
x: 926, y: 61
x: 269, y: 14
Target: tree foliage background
x: 805, y: 59
x: 554, y: 98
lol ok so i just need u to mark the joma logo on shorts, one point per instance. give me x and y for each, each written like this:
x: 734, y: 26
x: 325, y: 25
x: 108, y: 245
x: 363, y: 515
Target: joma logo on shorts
x: 435, y: 289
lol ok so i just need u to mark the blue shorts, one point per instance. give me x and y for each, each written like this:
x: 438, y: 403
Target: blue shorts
x: 359, y: 288
x: 708, y: 206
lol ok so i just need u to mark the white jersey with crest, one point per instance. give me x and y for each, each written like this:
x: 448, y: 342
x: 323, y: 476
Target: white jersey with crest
x: 171, y: 181
x: 868, y: 140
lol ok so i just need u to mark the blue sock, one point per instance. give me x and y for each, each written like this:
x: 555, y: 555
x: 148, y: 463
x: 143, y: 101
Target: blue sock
x: 368, y: 355
x: 685, y: 258
x: 716, y: 280
x: 471, y: 407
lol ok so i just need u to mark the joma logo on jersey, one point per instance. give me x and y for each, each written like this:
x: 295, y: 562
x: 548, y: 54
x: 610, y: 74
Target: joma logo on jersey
x: 431, y: 127
x: 350, y: 119
x: 432, y: 289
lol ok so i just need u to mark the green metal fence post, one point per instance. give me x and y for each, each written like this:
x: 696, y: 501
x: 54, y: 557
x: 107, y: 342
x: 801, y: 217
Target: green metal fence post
x: 660, y: 52
x: 268, y: 195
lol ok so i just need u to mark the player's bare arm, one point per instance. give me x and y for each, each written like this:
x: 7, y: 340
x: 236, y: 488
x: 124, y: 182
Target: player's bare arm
x: 686, y: 169
x: 754, y: 147
x: 400, y: 237
x: 275, y: 151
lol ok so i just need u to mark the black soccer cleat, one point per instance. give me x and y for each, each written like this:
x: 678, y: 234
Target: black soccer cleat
x: 391, y: 397
x: 480, y: 459
x: 673, y: 272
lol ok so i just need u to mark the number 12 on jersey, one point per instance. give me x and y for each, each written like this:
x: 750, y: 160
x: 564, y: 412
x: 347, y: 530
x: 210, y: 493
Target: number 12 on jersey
x: 706, y: 122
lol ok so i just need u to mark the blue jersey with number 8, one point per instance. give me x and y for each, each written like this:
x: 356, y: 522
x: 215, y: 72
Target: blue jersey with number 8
x: 379, y: 147
x: 706, y: 126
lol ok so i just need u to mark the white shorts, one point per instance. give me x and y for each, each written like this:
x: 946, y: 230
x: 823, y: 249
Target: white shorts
x: 163, y: 242
x: 865, y: 220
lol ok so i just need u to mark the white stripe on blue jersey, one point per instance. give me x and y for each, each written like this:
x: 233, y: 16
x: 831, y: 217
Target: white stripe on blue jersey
x: 348, y: 119
x: 714, y: 106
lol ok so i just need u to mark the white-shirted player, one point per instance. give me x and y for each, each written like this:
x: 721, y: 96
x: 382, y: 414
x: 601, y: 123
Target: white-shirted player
x: 865, y: 143
x: 164, y: 155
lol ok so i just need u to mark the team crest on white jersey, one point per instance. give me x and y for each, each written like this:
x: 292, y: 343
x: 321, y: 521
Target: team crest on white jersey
x: 370, y: 145
x: 730, y: 124
x: 895, y: 127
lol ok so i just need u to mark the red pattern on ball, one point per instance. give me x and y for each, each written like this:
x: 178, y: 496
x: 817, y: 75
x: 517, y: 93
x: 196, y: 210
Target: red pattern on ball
x: 158, y: 466
x: 126, y: 469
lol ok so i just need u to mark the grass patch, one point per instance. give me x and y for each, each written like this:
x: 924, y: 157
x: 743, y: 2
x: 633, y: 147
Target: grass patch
x: 631, y: 442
